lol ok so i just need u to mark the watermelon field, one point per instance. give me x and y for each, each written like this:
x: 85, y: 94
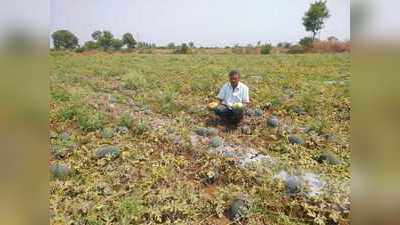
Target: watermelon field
x: 132, y: 140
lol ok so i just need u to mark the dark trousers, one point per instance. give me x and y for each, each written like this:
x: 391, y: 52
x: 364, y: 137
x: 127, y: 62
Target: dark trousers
x: 231, y: 116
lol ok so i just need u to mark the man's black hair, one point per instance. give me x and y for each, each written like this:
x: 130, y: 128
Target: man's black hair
x: 234, y: 72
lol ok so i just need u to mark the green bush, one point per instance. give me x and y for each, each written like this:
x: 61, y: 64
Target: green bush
x: 140, y: 128
x: 90, y: 45
x: 183, y: 49
x: 306, y: 42
x: 80, y: 50
x: 266, y: 49
x: 89, y: 121
x: 171, y: 45
x: 60, y: 95
x: 85, y: 117
x: 135, y: 81
x: 67, y: 113
x: 126, y: 120
x: 117, y: 44
x: 167, y: 102
x: 130, y: 210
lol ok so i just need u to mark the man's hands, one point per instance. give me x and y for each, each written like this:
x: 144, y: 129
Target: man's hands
x: 245, y: 104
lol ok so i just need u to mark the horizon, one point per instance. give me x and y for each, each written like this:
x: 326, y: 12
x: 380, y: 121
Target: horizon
x: 183, y: 22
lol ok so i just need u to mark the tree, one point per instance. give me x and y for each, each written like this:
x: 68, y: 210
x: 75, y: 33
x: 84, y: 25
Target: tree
x: 266, y: 49
x: 284, y: 45
x: 333, y: 39
x: 183, y: 49
x: 306, y: 42
x: 315, y: 17
x: 64, y: 39
x: 105, y: 40
x: 171, y: 45
x: 79, y: 49
x: 96, y: 35
x: 129, y: 40
x: 117, y: 44
x: 191, y: 44
x: 90, y: 45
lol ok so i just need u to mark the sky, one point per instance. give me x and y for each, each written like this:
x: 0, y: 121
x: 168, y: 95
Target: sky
x: 205, y: 22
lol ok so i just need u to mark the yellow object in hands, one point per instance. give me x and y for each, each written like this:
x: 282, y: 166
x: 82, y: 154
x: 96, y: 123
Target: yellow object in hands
x: 237, y: 105
x: 212, y: 105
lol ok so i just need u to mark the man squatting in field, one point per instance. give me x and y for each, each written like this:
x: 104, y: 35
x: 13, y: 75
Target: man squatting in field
x: 231, y: 95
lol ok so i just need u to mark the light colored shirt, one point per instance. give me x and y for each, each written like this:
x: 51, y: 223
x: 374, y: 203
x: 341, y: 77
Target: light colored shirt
x: 230, y: 96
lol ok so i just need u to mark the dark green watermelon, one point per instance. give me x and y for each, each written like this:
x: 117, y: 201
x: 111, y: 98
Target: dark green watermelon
x: 215, y: 142
x: 238, y: 209
x: 329, y: 158
x: 272, y: 122
x: 60, y: 171
x: 295, y: 140
x: 293, y: 186
x: 107, y: 151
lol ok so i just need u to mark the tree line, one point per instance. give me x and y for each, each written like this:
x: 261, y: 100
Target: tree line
x: 313, y: 21
x: 101, y: 40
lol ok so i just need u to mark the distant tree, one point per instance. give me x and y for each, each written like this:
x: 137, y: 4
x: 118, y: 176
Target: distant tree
x: 171, y: 45
x: 64, y: 39
x: 182, y: 49
x: 105, y: 40
x: 90, y: 45
x: 117, y: 44
x: 96, y: 35
x: 79, y: 49
x: 153, y: 45
x: 306, y: 42
x: 333, y: 39
x: 258, y: 43
x: 249, y: 45
x: 284, y: 45
x: 129, y: 40
x: 266, y: 49
x: 191, y: 44
x: 315, y: 17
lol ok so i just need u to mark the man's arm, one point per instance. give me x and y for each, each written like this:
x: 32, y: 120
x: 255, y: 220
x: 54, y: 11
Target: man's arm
x: 221, y: 95
x: 246, y: 99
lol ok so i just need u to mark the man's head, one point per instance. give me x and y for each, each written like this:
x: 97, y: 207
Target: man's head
x: 234, y: 78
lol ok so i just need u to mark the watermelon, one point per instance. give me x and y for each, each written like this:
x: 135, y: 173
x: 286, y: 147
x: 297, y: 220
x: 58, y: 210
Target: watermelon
x: 238, y: 209
x: 107, y: 151
x: 60, y: 171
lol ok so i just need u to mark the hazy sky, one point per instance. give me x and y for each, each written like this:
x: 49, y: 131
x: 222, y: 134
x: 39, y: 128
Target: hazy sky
x: 205, y: 22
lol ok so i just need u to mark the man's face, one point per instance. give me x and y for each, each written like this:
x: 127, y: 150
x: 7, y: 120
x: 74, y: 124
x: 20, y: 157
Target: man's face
x: 234, y: 79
